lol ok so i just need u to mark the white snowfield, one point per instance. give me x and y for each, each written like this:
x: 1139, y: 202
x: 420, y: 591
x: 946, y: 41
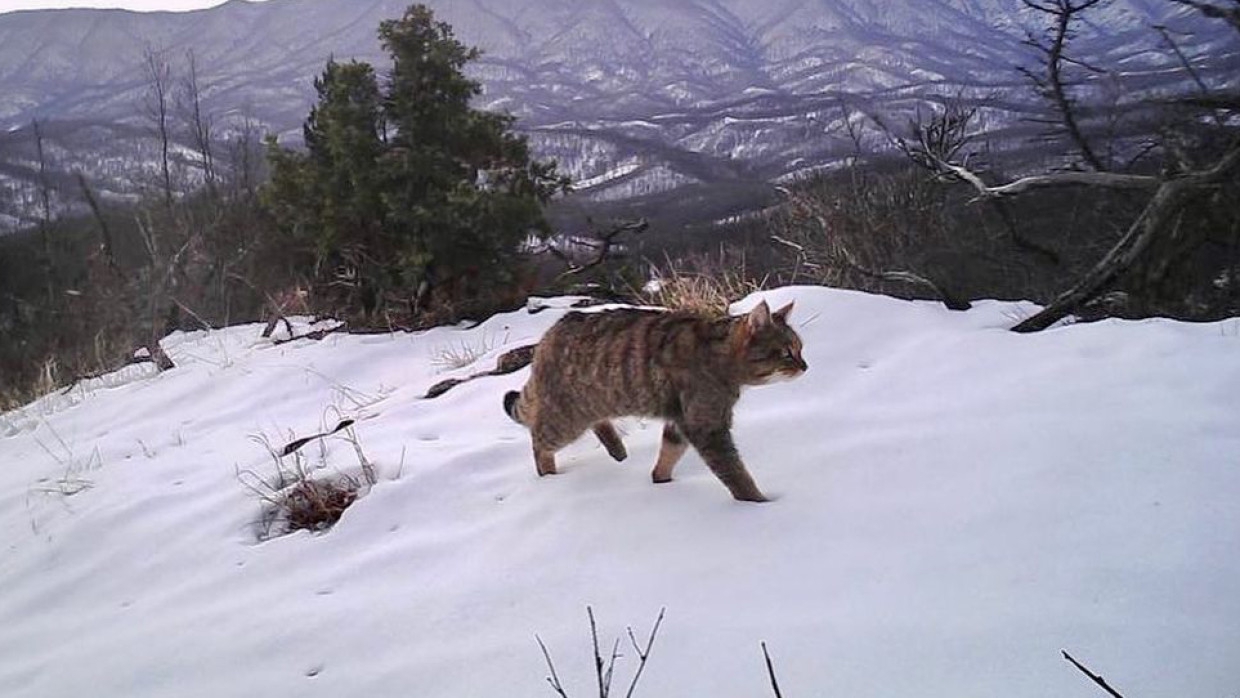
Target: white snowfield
x: 956, y: 504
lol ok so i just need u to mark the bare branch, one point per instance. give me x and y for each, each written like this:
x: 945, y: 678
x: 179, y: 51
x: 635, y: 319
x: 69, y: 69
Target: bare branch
x: 611, y: 667
x: 45, y: 219
x: 1109, y: 180
x: 105, y: 233
x: 159, y: 85
x: 602, y: 670
x: 554, y: 679
x: 1153, y: 221
x: 1179, y: 54
x: 938, y: 138
x: 1092, y: 676
x: 199, y: 123
x: 292, y: 446
x: 770, y: 672
x: 643, y: 653
x: 603, y: 245
x: 1055, y: 85
x: 189, y: 311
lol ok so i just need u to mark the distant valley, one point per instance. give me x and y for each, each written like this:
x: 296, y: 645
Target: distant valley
x: 633, y: 98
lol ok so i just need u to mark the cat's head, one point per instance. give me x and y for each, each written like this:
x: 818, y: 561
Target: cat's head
x: 768, y: 348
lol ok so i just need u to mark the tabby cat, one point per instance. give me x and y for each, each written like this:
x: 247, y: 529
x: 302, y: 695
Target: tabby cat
x: 684, y: 368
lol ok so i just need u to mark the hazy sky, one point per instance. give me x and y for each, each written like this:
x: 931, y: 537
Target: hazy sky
x: 139, y: 5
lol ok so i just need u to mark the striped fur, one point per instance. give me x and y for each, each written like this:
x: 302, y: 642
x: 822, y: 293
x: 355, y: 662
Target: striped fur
x: 683, y: 368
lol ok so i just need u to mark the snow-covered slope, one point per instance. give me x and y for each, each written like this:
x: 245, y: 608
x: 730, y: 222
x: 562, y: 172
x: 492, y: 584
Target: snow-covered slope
x: 956, y: 504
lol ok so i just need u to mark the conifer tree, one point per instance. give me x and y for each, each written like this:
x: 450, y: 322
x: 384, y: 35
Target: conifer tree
x: 405, y: 185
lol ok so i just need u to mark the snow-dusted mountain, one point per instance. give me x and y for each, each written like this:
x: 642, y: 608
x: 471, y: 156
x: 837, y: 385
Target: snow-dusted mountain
x: 634, y: 96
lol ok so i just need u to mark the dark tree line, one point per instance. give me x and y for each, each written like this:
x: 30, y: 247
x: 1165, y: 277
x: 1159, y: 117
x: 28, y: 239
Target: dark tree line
x: 407, y: 206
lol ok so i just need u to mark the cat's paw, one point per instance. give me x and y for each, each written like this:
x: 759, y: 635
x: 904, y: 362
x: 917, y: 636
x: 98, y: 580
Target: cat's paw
x: 756, y: 497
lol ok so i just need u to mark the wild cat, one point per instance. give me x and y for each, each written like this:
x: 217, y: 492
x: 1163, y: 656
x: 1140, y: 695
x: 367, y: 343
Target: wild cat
x: 684, y: 368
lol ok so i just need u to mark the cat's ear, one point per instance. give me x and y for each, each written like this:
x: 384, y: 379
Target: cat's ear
x: 760, y: 316
x: 782, y: 313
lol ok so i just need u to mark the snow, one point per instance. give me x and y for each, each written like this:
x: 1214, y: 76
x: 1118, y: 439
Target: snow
x: 956, y: 503
x: 621, y: 169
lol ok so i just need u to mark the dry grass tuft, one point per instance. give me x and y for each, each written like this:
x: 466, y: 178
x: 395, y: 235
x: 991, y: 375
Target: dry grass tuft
x: 297, y: 495
x: 455, y: 355
x: 703, y: 285
x: 316, y: 505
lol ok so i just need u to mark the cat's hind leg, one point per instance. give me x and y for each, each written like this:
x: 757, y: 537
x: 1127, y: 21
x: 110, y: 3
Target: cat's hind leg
x: 607, y: 434
x: 672, y: 448
x: 548, y: 437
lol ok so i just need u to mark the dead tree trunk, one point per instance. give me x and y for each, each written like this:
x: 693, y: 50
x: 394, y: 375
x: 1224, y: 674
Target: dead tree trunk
x: 1153, y: 223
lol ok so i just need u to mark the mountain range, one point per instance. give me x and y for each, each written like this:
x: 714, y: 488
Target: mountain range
x: 632, y: 97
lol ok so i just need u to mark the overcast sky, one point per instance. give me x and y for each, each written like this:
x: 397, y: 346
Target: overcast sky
x: 139, y: 5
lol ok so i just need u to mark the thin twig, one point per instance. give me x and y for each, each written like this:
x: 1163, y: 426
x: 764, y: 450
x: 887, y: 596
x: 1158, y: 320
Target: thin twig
x: 1092, y: 676
x: 611, y: 667
x: 770, y: 671
x: 554, y: 679
x: 643, y: 653
x: 598, y: 658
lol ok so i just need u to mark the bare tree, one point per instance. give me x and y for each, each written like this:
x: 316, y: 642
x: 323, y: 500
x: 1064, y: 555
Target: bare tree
x: 158, y: 105
x: 199, y: 123
x: 1151, y: 239
x: 116, y: 278
x: 1055, y: 84
x: 1171, y: 192
x: 45, y: 213
x: 245, y: 158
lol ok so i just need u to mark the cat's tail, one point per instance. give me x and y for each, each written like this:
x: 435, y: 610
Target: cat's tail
x: 511, y: 405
